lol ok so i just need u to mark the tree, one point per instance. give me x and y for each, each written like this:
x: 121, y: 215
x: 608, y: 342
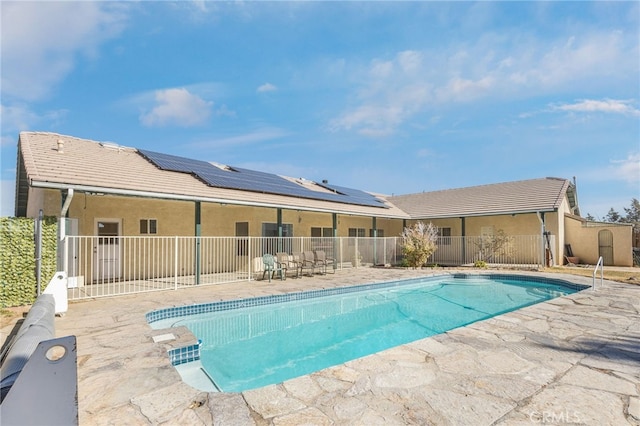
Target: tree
x: 492, y: 248
x: 612, y: 216
x: 633, y: 212
x: 419, y: 242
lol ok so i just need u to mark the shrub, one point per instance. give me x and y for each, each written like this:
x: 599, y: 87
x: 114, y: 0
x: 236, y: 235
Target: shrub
x: 419, y: 243
x: 17, y: 259
x: 480, y: 264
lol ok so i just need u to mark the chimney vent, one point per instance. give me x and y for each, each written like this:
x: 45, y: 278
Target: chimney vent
x: 60, y: 146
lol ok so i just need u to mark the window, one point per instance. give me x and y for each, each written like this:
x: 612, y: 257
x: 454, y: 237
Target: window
x: 148, y: 226
x: 322, y: 232
x: 275, y: 245
x: 108, y: 232
x: 242, y: 230
x: 356, y: 232
x: 444, y: 235
x: 380, y: 233
x: 271, y: 230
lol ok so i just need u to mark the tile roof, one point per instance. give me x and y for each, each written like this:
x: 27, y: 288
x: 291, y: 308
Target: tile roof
x: 544, y: 194
x: 87, y: 165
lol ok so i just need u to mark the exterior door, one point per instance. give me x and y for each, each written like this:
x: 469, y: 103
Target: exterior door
x: 605, y: 246
x: 106, y: 250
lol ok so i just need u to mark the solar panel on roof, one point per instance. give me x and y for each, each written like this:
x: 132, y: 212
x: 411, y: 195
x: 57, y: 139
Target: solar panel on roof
x: 255, y: 181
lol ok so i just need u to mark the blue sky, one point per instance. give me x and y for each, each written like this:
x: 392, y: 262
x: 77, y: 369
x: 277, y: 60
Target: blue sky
x: 390, y: 97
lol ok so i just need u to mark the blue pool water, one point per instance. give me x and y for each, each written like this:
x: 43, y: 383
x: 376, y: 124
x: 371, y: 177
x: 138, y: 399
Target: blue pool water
x: 264, y: 343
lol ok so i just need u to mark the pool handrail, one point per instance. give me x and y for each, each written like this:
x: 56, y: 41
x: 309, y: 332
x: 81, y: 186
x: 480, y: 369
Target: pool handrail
x: 601, y: 265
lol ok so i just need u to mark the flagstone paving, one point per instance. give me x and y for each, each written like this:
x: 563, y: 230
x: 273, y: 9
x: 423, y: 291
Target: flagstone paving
x: 571, y: 360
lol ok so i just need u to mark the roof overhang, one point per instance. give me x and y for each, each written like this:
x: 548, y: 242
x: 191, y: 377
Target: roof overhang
x: 177, y: 197
x: 497, y: 213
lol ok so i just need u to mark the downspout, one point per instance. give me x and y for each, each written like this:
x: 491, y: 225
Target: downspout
x: 542, y: 235
x: 62, y: 222
x: 63, y: 212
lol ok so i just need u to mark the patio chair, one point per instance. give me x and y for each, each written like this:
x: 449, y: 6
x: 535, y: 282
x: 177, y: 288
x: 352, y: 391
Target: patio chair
x: 271, y: 266
x: 323, y: 261
x: 290, y: 262
x: 308, y: 262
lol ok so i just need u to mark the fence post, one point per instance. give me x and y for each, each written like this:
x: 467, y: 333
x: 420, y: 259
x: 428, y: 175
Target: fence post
x: 249, y: 258
x: 356, y: 254
x: 175, y: 263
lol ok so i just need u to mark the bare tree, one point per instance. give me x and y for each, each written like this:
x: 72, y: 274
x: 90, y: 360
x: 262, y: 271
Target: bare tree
x: 492, y: 247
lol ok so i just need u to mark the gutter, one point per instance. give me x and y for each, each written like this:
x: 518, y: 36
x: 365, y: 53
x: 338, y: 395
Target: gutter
x: 504, y: 213
x: 175, y: 197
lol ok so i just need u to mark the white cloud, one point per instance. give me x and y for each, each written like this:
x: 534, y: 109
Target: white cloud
x: 16, y: 118
x: 267, y: 87
x: 41, y: 41
x: 178, y: 107
x: 463, y: 90
x: 625, y: 170
x: 613, y: 106
x: 225, y: 111
x: 628, y: 169
x: 491, y: 67
x: 254, y: 137
x: 595, y: 56
x: 393, y: 91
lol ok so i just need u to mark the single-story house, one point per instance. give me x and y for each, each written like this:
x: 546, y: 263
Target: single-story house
x: 104, y: 189
x: 546, y: 206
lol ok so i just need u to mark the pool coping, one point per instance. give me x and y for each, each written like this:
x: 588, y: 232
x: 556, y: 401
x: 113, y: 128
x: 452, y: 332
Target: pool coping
x: 208, y: 307
x: 576, y: 345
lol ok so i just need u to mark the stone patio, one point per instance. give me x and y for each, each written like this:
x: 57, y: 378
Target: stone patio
x: 571, y: 360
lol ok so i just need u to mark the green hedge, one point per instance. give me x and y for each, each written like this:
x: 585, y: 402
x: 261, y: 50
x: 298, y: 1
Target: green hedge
x: 18, y: 285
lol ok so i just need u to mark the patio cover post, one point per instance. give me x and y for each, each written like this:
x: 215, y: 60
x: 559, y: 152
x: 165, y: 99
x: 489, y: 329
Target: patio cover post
x: 279, y: 221
x: 464, y: 242
x: 334, y: 218
x: 197, y: 232
x: 375, y: 238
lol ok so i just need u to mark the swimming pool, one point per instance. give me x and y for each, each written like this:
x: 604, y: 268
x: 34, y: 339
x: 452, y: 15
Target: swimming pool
x: 255, y: 342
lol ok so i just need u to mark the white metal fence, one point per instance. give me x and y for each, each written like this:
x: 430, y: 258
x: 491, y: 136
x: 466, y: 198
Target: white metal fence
x: 108, y: 266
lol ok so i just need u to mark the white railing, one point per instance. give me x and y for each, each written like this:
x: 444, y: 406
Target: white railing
x: 515, y: 250
x: 601, y: 265
x: 107, y: 266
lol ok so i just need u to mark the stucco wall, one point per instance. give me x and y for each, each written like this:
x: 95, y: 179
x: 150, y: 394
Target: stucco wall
x: 519, y: 224
x: 178, y: 217
x: 48, y: 200
x: 583, y: 238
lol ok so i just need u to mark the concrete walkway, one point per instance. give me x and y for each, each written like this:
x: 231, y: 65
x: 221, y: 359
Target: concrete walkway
x: 572, y: 360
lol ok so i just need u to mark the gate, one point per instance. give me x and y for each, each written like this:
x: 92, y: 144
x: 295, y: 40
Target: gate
x: 605, y: 246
